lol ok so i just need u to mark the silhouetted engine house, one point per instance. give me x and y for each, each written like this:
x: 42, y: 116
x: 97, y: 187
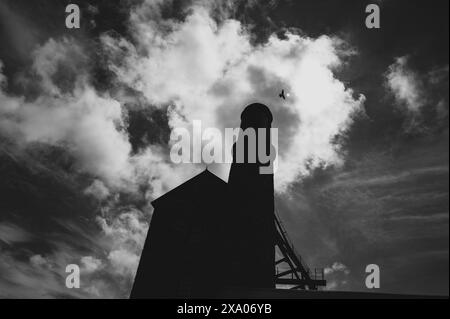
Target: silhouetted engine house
x: 207, y: 235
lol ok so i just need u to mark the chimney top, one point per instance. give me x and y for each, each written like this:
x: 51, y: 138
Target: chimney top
x: 256, y: 115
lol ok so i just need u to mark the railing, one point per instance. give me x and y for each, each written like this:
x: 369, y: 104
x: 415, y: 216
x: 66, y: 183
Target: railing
x: 319, y: 274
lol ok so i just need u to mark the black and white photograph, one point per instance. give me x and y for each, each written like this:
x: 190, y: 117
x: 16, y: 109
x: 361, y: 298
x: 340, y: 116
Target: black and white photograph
x: 224, y: 150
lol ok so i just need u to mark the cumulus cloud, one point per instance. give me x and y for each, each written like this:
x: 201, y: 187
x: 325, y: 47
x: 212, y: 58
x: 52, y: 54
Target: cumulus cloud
x: 337, y: 267
x: 336, y: 276
x: 124, y: 261
x: 90, y: 264
x: 70, y: 113
x: 91, y: 126
x: 124, y: 235
x: 200, y: 69
x: 205, y: 71
x: 208, y: 71
x: 87, y: 124
x: 405, y: 84
x: 98, y: 190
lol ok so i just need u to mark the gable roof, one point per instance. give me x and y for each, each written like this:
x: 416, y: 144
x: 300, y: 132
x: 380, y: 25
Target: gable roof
x: 203, y: 184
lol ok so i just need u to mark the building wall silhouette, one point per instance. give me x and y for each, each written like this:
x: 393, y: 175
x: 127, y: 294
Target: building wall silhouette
x: 207, y: 235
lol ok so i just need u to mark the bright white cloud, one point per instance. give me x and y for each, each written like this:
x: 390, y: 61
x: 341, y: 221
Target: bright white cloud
x: 89, y: 125
x: 209, y: 72
x: 205, y: 71
x: 92, y: 128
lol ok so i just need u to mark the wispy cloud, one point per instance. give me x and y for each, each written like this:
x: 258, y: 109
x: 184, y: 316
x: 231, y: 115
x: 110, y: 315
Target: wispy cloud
x: 418, y: 94
x: 10, y: 234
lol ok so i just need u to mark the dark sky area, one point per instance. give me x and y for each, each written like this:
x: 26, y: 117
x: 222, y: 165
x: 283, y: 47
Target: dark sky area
x: 387, y: 204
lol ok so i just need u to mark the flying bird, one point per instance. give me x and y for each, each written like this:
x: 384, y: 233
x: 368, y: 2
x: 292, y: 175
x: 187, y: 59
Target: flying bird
x: 281, y: 95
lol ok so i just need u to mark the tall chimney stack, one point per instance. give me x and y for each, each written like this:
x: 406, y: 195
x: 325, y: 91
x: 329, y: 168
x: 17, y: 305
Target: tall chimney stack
x: 252, y: 203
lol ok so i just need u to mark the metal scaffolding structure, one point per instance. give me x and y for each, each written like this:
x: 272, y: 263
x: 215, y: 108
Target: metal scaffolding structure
x: 298, y: 274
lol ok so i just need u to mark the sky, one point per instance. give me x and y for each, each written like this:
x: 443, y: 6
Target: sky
x: 86, y: 117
